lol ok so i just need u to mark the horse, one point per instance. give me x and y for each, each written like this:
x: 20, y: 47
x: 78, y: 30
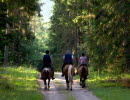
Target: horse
x: 83, y: 73
x: 69, y: 71
x: 46, y: 73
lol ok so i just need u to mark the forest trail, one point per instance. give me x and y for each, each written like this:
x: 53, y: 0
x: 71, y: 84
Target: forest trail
x: 58, y: 90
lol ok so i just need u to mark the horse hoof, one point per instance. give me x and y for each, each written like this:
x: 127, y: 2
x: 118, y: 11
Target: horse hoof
x: 45, y: 88
x: 83, y: 86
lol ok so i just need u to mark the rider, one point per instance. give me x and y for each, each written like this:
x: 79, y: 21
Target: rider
x: 47, y: 62
x: 83, y: 60
x: 67, y: 59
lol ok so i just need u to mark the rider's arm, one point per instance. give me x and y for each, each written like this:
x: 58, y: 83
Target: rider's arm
x: 63, y: 58
x: 72, y: 57
x: 51, y: 59
x: 43, y: 60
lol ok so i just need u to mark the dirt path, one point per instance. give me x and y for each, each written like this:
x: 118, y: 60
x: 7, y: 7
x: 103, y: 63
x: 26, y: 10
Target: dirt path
x: 57, y: 91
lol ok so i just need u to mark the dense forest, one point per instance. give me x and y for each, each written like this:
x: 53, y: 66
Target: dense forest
x: 98, y: 28
x: 21, y: 36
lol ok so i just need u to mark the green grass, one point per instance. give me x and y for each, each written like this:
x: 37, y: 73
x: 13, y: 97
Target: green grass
x: 108, y: 86
x: 112, y: 93
x: 19, y: 83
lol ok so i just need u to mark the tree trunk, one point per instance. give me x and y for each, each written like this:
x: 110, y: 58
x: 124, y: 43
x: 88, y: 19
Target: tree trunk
x: 6, y: 56
x: 6, y: 46
x: 76, y: 46
x: 127, y: 51
x: 127, y: 41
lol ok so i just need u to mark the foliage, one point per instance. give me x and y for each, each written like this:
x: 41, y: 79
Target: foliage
x: 19, y: 83
x: 98, y: 28
x: 23, y: 31
x: 99, y: 83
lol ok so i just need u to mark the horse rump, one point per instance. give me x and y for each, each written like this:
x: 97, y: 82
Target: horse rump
x: 68, y: 72
x: 46, y: 75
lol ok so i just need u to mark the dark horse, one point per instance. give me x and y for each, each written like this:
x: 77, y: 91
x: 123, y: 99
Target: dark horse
x: 69, y: 72
x: 83, y: 73
x: 47, y: 73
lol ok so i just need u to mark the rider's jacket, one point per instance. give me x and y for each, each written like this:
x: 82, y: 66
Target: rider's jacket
x: 46, y: 60
x: 68, y: 58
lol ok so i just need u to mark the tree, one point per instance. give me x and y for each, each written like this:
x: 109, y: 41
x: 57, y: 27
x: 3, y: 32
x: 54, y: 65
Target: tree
x: 19, y: 16
x: 99, y: 28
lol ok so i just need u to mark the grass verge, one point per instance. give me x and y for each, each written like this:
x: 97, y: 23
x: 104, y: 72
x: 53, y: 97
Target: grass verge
x: 19, y: 83
x: 108, y: 86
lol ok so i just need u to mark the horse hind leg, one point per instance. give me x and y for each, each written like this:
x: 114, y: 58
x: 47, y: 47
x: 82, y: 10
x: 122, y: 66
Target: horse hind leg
x: 67, y: 83
x: 71, y: 85
x: 48, y: 84
x: 71, y: 82
x: 81, y: 81
x: 45, y: 84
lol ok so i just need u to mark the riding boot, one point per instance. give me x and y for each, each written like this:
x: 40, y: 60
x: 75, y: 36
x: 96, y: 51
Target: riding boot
x: 53, y: 76
x: 40, y: 76
x: 62, y: 74
x: 77, y: 70
x: 74, y: 74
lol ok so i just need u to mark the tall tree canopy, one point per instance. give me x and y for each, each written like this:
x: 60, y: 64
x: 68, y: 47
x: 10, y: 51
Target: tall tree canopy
x: 98, y: 28
x: 15, y: 30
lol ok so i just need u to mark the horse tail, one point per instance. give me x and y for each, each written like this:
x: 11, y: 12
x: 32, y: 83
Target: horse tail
x: 47, y: 73
x: 70, y: 76
x: 83, y: 71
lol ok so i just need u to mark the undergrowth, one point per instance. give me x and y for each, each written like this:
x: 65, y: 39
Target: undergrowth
x: 19, y: 83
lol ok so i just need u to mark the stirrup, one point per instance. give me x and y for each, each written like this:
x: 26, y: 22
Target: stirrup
x: 53, y: 78
x: 62, y: 75
x: 74, y: 74
x: 41, y: 78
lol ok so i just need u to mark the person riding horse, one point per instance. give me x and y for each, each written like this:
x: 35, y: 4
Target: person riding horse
x: 67, y: 59
x: 47, y: 62
x: 83, y: 60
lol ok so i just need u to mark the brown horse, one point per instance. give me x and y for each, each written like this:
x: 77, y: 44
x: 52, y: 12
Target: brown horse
x: 47, y: 73
x: 83, y: 73
x: 69, y: 71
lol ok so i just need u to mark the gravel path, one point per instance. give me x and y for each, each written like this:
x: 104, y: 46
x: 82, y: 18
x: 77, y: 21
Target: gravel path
x: 57, y: 90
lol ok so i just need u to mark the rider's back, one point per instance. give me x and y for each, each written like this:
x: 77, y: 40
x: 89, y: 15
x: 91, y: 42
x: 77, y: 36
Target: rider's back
x: 68, y: 58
